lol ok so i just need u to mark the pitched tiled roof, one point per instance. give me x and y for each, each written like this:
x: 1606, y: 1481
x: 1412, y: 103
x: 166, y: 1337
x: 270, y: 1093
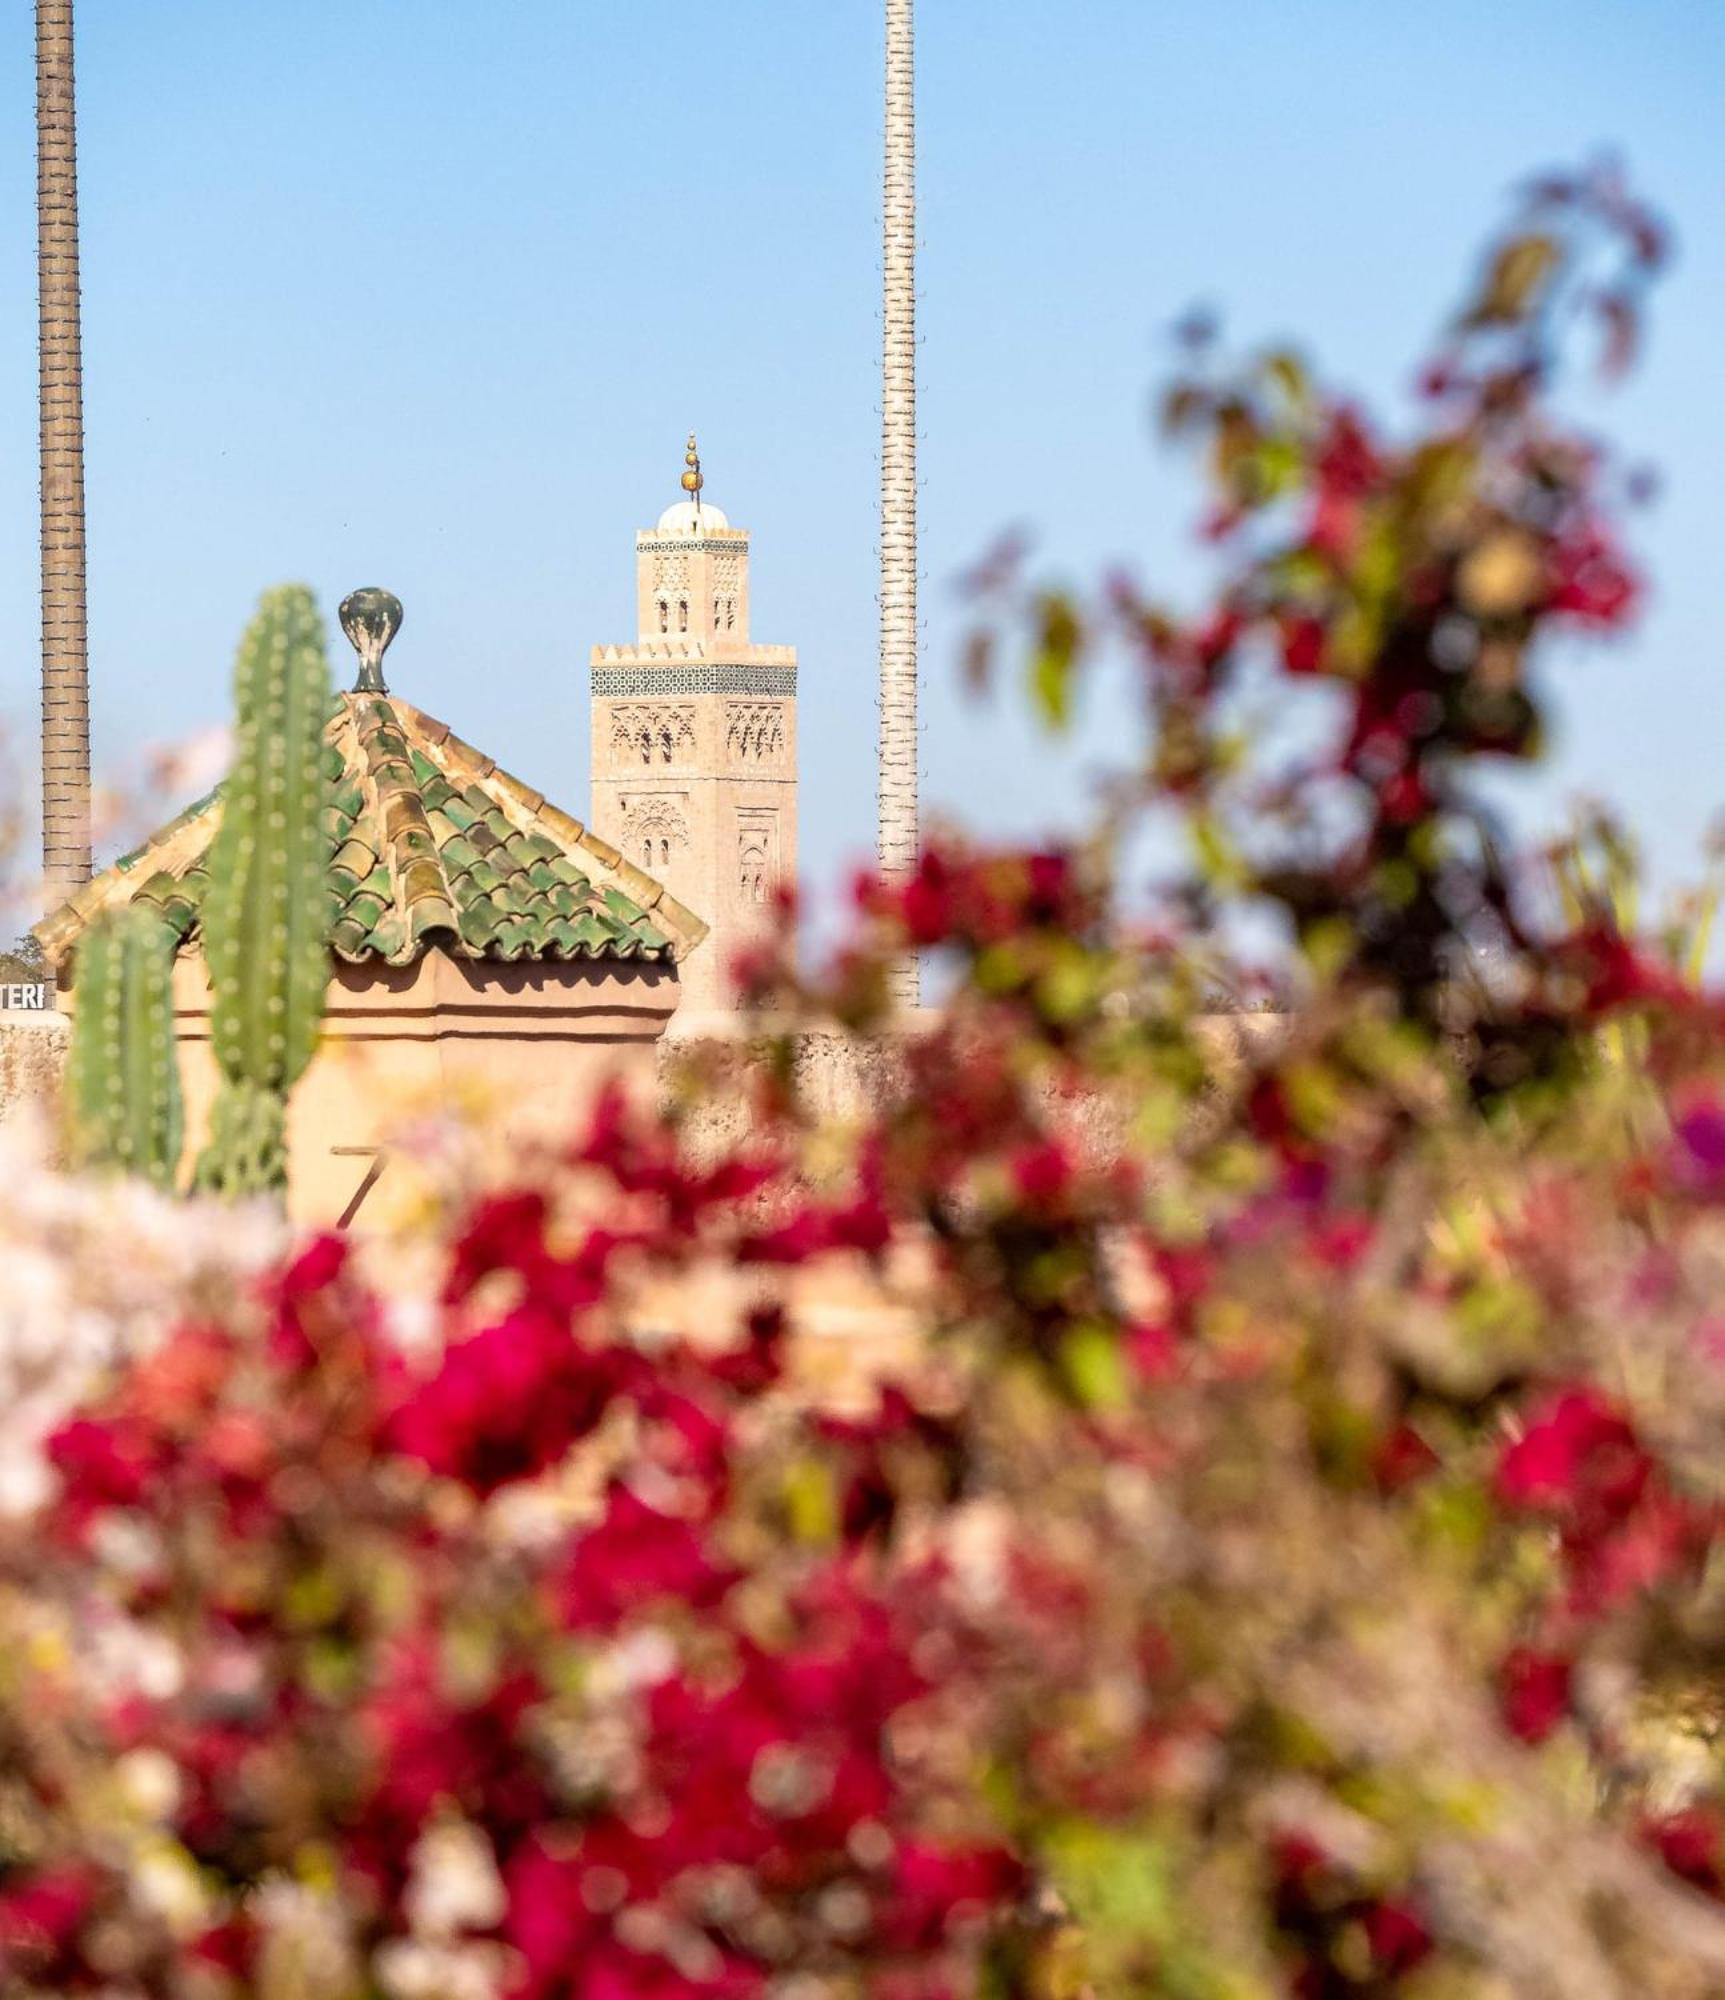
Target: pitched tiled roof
x: 433, y: 845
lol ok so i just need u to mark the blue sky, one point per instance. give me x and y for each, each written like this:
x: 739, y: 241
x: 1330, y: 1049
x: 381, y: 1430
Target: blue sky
x: 427, y: 295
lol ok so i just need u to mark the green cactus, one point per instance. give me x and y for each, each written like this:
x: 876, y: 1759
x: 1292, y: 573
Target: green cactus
x: 123, y: 1079
x: 266, y: 911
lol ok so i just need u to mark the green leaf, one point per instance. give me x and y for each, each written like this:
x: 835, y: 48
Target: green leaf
x: 810, y: 1502
x: 1090, y: 1360
x: 1051, y: 671
x: 1286, y: 370
x: 1516, y: 280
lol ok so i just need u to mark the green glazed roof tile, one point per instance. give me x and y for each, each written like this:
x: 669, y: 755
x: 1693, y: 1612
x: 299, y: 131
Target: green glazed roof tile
x: 432, y: 845
x: 348, y: 935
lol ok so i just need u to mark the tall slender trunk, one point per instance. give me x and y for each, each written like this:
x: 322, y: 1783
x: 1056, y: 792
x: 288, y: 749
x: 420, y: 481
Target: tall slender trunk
x: 65, y: 666
x: 898, y: 834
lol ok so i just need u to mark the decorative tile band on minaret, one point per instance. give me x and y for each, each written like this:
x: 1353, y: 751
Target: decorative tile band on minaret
x: 694, y: 753
x: 898, y: 837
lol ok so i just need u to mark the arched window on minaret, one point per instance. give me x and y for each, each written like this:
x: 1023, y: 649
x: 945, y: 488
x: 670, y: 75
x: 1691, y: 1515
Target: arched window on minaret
x: 730, y: 612
x: 682, y: 614
x: 664, y: 852
x: 664, y: 614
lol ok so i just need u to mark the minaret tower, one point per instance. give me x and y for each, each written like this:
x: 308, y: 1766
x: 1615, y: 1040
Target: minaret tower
x: 695, y: 737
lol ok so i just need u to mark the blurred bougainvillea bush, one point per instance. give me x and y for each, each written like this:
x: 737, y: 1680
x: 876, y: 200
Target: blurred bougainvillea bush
x: 1285, y: 1561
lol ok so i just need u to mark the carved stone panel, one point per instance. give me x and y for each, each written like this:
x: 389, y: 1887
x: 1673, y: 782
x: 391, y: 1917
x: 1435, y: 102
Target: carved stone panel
x: 643, y: 732
x: 757, y: 853
x: 655, y: 828
x: 755, y: 732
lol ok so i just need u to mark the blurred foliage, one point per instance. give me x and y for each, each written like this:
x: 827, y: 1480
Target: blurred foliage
x: 1281, y: 1555
x: 23, y: 964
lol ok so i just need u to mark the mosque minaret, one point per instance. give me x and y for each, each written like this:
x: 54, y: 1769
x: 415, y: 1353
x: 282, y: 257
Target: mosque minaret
x: 694, y: 755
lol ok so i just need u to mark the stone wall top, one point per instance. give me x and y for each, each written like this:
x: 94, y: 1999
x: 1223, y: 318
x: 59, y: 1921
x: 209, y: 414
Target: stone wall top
x: 32, y: 1058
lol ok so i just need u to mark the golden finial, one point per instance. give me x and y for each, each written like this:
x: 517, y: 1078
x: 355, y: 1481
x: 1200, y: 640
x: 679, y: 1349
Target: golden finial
x: 692, y: 480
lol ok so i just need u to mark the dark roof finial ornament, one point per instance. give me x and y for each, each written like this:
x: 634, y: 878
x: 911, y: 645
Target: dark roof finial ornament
x: 370, y: 618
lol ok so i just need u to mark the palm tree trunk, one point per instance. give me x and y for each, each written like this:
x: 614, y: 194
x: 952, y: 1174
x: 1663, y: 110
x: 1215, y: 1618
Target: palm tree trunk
x: 65, y: 667
x: 898, y: 832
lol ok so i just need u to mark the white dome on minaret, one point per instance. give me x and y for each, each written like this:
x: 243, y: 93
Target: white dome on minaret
x: 687, y: 517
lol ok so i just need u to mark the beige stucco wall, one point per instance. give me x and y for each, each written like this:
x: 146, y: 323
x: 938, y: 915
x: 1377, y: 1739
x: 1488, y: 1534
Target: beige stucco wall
x: 522, y: 1050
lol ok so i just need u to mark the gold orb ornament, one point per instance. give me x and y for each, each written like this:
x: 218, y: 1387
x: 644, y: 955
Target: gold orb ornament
x: 692, y: 480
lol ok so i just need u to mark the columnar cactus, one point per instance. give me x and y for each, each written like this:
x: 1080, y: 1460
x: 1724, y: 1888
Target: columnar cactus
x: 265, y: 913
x: 123, y: 1080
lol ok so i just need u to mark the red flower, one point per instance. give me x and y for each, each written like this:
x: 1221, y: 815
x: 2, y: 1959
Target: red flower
x: 1042, y: 1174
x: 1589, y: 580
x: 1617, y: 974
x: 1401, y: 1459
x: 230, y: 1947
x: 549, y: 1922
x: 1534, y: 1690
x: 315, y: 1269
x: 507, y: 1402
x: 1398, y: 1938
x: 101, y: 1464
x: 432, y: 1749
x: 1580, y: 1454
x: 682, y: 1436
x: 1334, y: 527
x: 1621, y: 1528
x: 636, y: 1556
x: 934, y: 1887
x: 759, y: 1362
x: 1691, y: 1843
x: 40, y: 1920
x: 793, y: 1241
x: 1303, y: 645
x: 1298, y: 1861
x: 505, y: 1232
x: 1636, y: 1555
x: 1152, y: 1349
x: 1699, y: 1161
x: 1347, y: 462
x: 926, y: 904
